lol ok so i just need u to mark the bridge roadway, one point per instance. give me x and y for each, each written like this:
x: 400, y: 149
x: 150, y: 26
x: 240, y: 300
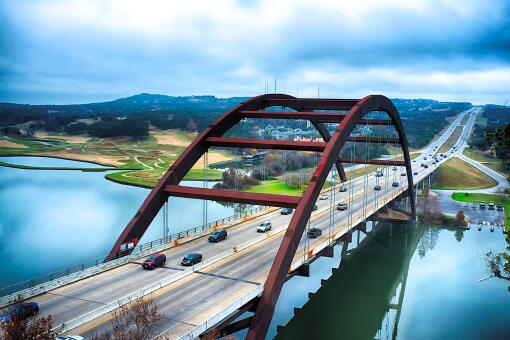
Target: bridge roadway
x: 190, y: 301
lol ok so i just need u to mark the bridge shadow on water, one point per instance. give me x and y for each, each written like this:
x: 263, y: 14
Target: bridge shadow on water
x: 363, y: 297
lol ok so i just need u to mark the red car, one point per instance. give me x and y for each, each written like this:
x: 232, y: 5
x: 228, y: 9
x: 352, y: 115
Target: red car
x: 153, y: 261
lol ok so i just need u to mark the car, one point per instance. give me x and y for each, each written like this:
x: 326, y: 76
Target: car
x: 218, y: 235
x: 21, y: 309
x: 153, y: 261
x: 379, y: 172
x: 426, y: 166
x: 315, y: 207
x: 394, y: 184
x: 500, y: 206
x: 69, y: 337
x: 342, y: 206
x: 343, y: 189
x: 424, y: 158
x: 377, y: 188
x: 402, y: 174
x: 323, y: 197
x: 264, y: 226
x: 286, y: 211
x: 482, y: 204
x: 415, y: 173
x: 191, y: 259
x: 394, y: 168
x: 491, y: 205
x: 423, y: 165
x: 314, y: 232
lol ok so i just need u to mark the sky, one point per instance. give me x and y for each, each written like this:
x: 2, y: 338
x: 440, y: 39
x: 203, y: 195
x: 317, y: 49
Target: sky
x: 70, y: 51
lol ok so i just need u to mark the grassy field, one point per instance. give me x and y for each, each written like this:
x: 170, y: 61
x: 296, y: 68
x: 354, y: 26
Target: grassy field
x: 492, y: 162
x: 450, y: 142
x: 465, y: 119
x: 476, y: 198
x: 148, y: 159
x: 275, y: 186
x: 457, y: 174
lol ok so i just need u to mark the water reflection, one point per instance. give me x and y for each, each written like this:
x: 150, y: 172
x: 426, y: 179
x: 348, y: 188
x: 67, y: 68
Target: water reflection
x: 404, y: 282
x: 374, y: 275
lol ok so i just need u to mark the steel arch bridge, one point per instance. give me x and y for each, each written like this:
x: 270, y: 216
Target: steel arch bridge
x: 346, y: 113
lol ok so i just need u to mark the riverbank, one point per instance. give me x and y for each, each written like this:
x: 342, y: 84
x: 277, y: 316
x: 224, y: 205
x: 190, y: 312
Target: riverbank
x: 477, y: 197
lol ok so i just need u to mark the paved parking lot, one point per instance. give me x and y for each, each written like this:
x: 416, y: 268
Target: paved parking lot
x: 483, y: 217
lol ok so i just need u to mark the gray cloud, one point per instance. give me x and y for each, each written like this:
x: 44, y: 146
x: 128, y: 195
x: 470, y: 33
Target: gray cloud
x: 82, y: 51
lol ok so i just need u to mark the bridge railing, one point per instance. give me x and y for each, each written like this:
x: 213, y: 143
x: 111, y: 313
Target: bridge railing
x: 37, y: 284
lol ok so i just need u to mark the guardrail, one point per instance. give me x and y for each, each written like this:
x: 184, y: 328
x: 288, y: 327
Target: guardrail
x: 55, y: 279
x: 89, y: 316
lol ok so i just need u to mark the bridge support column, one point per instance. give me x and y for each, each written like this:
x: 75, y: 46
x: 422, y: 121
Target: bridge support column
x: 303, y: 270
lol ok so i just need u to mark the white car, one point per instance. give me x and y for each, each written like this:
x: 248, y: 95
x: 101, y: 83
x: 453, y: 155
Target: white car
x: 69, y: 337
x: 323, y: 197
x: 264, y: 226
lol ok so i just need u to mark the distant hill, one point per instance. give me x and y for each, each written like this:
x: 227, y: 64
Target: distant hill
x: 131, y: 116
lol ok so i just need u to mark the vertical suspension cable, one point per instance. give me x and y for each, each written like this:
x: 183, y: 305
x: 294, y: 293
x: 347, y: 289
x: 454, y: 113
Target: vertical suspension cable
x: 365, y: 194
x: 205, y: 202
x: 236, y: 150
x: 351, y: 187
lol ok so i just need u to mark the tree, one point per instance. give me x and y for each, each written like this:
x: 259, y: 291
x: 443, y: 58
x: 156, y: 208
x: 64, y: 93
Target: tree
x: 498, y: 264
x: 460, y: 219
x: 19, y: 326
x: 136, y: 320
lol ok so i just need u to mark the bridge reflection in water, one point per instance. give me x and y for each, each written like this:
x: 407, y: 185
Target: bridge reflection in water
x: 363, y: 298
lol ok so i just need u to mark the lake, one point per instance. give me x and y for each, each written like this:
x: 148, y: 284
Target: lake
x: 51, y: 219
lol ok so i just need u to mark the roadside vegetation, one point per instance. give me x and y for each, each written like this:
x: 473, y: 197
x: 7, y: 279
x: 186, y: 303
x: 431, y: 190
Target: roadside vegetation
x: 456, y: 174
x: 465, y: 119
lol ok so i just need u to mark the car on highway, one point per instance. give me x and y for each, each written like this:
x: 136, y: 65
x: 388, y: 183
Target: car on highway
x: 491, y: 205
x: 153, y: 261
x: 343, y: 189
x: 191, y: 259
x: 424, y: 158
x: 314, y: 232
x: 482, y: 204
x: 394, y: 168
x: 402, y: 174
x: 426, y: 166
x: 286, y: 211
x: 323, y: 197
x: 500, y: 206
x: 264, y: 226
x: 394, y: 184
x: 21, y: 309
x: 379, y: 172
x: 69, y: 337
x: 415, y: 173
x: 377, y: 188
x: 342, y: 206
x: 218, y: 235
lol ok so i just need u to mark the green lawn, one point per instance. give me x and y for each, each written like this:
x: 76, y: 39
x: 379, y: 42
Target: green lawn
x: 478, y: 156
x: 275, y: 186
x: 477, y: 197
x: 456, y: 174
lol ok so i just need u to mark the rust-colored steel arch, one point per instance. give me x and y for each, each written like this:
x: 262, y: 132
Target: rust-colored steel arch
x: 347, y: 113
x: 279, y: 269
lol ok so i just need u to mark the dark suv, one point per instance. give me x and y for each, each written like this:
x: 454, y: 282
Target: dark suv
x: 217, y: 236
x: 286, y: 211
x: 314, y: 232
x: 153, y: 261
x: 191, y: 259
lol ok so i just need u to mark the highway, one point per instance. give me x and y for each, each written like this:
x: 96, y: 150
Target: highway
x: 187, y: 302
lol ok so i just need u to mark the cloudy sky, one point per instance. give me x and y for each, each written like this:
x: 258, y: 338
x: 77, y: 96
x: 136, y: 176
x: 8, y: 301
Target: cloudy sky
x: 60, y: 51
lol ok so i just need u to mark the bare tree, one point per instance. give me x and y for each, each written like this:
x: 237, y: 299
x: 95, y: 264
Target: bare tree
x: 136, y: 320
x: 498, y: 265
x: 20, y: 326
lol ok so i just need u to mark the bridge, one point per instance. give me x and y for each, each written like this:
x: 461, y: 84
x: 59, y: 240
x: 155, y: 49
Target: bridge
x: 244, y: 275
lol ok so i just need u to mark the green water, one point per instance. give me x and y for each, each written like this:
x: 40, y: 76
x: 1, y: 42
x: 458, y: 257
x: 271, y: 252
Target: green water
x: 400, y: 282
